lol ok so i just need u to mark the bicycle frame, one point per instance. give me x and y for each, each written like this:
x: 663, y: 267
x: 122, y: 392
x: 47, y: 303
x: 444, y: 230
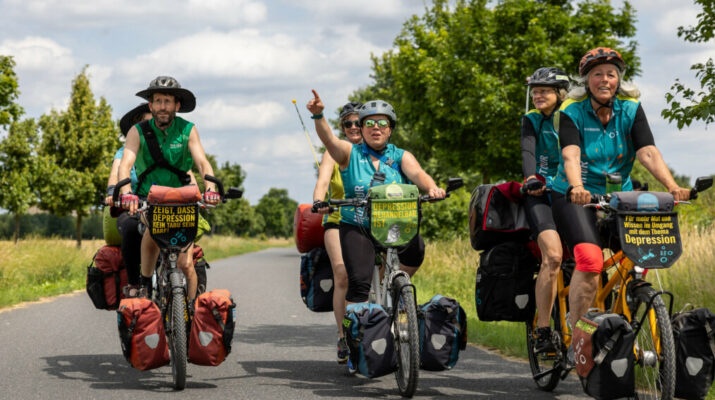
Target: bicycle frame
x: 382, y: 287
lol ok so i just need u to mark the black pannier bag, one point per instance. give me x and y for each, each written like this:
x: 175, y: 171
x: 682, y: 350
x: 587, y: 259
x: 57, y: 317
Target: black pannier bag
x: 496, y: 215
x: 505, y: 283
x: 316, y: 280
x: 443, y: 333
x: 603, y: 352
x: 694, y: 333
x: 368, y: 334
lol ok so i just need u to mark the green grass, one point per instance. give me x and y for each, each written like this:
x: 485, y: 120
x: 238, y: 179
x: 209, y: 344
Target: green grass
x: 36, y: 268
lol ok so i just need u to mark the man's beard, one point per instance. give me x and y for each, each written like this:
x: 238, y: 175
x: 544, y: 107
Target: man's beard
x: 164, y: 121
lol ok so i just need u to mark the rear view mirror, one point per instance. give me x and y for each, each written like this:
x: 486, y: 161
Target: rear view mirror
x: 234, y: 193
x: 456, y: 183
x: 703, y: 183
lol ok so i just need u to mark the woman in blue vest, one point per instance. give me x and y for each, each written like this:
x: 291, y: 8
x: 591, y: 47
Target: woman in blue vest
x: 602, y: 129
x: 540, y: 158
x: 358, y: 163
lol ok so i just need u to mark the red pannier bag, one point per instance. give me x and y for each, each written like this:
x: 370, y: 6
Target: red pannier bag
x: 141, y: 332
x: 307, y: 228
x: 212, y: 328
x: 106, y: 276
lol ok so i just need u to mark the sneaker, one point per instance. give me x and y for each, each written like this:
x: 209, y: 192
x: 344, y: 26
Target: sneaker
x: 543, y: 341
x: 351, y: 368
x: 343, y: 351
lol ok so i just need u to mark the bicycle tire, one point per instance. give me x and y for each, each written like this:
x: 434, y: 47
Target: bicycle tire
x: 177, y: 338
x: 653, y: 381
x: 407, y: 341
x: 548, y: 382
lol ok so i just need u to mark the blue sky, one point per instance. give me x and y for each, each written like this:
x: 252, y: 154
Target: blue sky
x: 246, y: 60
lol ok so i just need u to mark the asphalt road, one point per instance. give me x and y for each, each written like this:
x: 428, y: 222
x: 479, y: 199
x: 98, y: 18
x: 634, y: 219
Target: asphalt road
x: 66, y: 349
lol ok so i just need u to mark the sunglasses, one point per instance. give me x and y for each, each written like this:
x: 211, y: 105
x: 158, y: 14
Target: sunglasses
x: 381, y: 123
x: 350, y: 124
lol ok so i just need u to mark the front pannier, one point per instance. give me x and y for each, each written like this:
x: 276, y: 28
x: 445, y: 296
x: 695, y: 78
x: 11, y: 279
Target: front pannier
x: 212, y: 328
x: 141, y: 332
x: 443, y: 333
x: 369, y: 337
x: 694, y: 333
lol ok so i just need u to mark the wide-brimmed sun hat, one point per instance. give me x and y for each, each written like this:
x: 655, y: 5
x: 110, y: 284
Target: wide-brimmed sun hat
x: 169, y: 85
x: 128, y: 120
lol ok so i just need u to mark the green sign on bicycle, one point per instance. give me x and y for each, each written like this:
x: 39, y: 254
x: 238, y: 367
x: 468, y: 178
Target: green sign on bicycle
x: 394, y: 213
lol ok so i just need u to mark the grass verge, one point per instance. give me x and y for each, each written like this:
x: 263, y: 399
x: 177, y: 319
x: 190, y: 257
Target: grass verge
x: 38, y: 267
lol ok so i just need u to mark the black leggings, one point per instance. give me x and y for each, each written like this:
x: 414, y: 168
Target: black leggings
x: 127, y: 226
x: 359, y: 258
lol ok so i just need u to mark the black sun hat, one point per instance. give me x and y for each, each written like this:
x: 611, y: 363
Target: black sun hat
x: 169, y: 85
x: 128, y: 120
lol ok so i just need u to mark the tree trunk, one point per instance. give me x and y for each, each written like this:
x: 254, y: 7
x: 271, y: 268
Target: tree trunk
x: 79, y: 230
x: 17, y: 227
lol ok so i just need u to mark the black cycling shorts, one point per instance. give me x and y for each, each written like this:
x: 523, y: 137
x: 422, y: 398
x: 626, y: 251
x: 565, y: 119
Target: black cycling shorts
x: 538, y: 213
x: 575, y: 223
x: 359, y: 257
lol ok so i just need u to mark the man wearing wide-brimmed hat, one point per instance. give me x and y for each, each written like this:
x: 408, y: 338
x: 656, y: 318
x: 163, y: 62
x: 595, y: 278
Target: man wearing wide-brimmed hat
x: 181, y: 147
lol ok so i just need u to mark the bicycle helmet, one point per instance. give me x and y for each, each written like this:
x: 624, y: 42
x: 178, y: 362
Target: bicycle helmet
x: 378, y: 107
x: 350, y: 108
x: 170, y: 86
x: 600, y: 55
x: 549, y: 76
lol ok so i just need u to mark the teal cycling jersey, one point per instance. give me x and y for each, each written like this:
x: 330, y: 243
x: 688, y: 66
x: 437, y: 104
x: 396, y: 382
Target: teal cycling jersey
x: 547, y: 151
x: 604, y: 149
x: 358, y: 175
x: 132, y: 174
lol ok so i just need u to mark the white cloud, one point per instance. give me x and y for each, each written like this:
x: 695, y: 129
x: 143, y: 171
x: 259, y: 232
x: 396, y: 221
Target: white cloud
x: 346, y: 9
x: 220, y: 114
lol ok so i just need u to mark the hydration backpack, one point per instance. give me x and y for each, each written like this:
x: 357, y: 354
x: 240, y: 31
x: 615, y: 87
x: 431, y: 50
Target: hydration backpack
x: 505, y: 283
x: 212, y: 328
x: 141, y: 332
x: 316, y: 280
x: 106, y: 276
x: 443, y: 333
x: 694, y: 333
x: 369, y: 337
x: 603, y: 352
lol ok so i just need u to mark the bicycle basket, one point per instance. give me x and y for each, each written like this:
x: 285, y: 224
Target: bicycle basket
x: 650, y: 239
x: 394, y: 214
x: 173, y: 224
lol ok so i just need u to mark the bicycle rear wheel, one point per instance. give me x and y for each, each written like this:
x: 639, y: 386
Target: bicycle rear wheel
x: 407, y: 340
x: 654, y: 345
x: 545, y: 368
x: 177, y: 337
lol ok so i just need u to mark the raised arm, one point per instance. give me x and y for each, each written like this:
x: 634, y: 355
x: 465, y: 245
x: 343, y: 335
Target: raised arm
x: 339, y: 149
x: 416, y: 174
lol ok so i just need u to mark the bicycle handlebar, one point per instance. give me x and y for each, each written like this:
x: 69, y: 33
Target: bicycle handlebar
x: 233, y: 193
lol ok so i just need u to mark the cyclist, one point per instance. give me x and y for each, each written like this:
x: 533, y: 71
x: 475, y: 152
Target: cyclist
x: 330, y: 184
x: 602, y: 129
x: 358, y: 163
x: 180, y: 147
x: 540, y: 158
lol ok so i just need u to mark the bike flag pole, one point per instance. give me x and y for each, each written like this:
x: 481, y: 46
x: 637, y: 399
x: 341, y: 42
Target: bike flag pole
x: 307, y: 136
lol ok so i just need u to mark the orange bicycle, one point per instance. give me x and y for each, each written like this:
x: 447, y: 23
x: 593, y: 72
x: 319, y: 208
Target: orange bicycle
x: 623, y: 290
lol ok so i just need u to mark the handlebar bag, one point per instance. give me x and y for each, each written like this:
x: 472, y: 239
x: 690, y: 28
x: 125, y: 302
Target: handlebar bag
x: 369, y: 337
x: 603, y: 352
x: 694, y: 333
x: 496, y: 215
x: 106, y: 276
x: 316, y: 280
x: 141, y: 332
x: 443, y: 333
x: 642, y: 201
x: 212, y: 328
x: 169, y: 195
x: 394, y: 213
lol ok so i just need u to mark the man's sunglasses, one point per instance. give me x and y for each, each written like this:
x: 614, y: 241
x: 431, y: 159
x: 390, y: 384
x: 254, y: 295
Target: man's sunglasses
x: 381, y: 123
x: 349, y: 124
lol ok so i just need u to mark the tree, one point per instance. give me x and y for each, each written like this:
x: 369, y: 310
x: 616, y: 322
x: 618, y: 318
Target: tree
x: 277, y: 210
x: 9, y: 110
x: 699, y: 106
x: 18, y: 170
x: 76, y: 152
x: 456, y: 75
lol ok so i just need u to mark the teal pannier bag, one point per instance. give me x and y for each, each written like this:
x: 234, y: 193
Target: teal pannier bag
x: 394, y: 213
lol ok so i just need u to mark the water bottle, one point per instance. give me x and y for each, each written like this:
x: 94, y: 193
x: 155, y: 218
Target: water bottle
x: 613, y: 182
x: 377, y: 179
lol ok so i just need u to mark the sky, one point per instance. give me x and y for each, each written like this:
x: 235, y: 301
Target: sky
x: 246, y: 60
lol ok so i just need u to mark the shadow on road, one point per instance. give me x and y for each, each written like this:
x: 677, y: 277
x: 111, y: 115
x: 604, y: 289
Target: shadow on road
x: 112, y: 371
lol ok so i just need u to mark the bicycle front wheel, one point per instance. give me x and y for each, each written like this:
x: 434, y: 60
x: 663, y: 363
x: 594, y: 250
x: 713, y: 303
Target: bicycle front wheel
x: 654, y: 345
x: 177, y: 338
x: 407, y: 341
x: 546, y: 368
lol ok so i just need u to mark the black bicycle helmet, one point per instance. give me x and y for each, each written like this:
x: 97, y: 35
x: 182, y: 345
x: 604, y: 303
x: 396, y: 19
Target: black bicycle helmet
x: 350, y: 108
x: 549, y: 76
x: 378, y: 107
